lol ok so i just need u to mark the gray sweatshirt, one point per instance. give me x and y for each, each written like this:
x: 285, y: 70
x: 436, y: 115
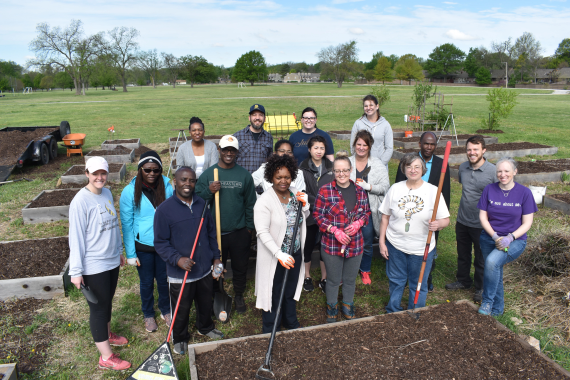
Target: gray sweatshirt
x: 95, y: 242
x: 185, y: 155
x: 383, y: 138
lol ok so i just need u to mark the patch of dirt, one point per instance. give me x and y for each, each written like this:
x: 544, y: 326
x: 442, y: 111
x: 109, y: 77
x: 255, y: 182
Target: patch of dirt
x: 164, y: 151
x: 55, y: 198
x: 54, y: 168
x: 142, y: 149
x: 80, y: 169
x: 545, y: 166
x: 213, y: 137
x: 449, y: 341
x: 561, y: 197
x: 111, y: 152
x: 120, y: 141
x: 180, y: 139
x: 490, y: 148
x: 13, y: 143
x: 33, y: 258
x: 445, y: 137
x: 487, y: 131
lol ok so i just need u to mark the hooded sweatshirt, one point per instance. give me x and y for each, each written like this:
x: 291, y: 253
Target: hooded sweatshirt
x: 381, y: 132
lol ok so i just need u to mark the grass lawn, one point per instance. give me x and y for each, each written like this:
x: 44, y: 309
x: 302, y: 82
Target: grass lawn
x: 150, y: 114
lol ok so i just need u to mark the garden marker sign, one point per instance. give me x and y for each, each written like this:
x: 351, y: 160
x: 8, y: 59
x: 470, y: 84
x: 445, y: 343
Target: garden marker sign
x: 158, y: 366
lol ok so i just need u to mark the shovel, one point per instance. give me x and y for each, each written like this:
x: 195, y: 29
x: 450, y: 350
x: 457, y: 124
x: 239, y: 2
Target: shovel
x: 222, y: 301
x: 412, y: 313
x: 88, y: 293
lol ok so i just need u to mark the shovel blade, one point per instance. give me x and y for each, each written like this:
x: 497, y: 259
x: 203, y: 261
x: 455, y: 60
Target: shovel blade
x: 158, y: 366
x: 222, y: 304
x: 416, y: 316
x: 89, y: 295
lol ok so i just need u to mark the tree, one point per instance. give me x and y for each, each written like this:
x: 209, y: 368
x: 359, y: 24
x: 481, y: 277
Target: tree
x: 408, y: 68
x: 340, y: 60
x: 194, y: 68
x: 172, y: 65
x: 501, y: 104
x: 527, y: 52
x: 4, y: 84
x: 122, y: 48
x: 249, y: 66
x: 149, y: 62
x: 103, y: 72
x: 444, y: 60
x: 383, y: 70
x: 284, y: 69
x: 27, y: 80
x: 563, y: 50
x: 37, y: 81
x: 46, y: 82
x: 483, y: 76
x: 393, y: 58
x: 63, y: 80
x: 369, y: 75
x: 471, y: 63
x: 382, y: 93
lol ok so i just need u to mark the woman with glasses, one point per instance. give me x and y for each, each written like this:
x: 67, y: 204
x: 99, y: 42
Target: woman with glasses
x: 406, y: 212
x: 300, y: 139
x: 198, y: 154
x: 341, y: 210
x: 139, y: 201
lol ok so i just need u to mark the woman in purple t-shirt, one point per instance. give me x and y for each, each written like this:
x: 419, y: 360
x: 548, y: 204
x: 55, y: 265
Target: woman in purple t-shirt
x: 506, y: 213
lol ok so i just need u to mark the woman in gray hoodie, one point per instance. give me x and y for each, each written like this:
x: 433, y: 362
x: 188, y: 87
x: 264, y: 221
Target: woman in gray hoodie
x: 378, y: 127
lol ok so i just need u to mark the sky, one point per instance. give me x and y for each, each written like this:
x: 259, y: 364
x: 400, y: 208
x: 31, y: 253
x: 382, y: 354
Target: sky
x: 294, y: 30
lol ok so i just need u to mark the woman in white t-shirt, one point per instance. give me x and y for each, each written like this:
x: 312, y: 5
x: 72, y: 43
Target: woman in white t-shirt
x: 198, y: 154
x: 406, y: 213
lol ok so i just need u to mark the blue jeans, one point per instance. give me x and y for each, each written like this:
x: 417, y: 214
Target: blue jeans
x: 401, y: 268
x: 493, y: 292
x: 152, y: 266
x: 368, y: 235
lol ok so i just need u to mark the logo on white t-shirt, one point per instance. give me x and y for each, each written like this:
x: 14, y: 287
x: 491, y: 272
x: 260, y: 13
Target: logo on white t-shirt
x: 412, y: 204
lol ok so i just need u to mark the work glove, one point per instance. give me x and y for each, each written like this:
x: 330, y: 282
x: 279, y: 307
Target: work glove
x: 354, y: 227
x: 504, y: 242
x: 365, y: 185
x: 340, y: 235
x: 285, y: 259
x: 304, y: 199
x: 134, y: 262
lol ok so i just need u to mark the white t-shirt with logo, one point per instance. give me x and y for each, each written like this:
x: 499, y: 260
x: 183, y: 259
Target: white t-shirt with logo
x: 410, y: 212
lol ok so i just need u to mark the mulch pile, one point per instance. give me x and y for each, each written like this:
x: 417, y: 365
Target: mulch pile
x: 13, y: 143
x: 449, y: 341
x: 487, y: 131
x: 33, y: 258
x: 164, y: 151
x: 565, y: 197
x: 444, y: 137
x: 490, y: 148
x: 55, y: 198
x: 120, y: 141
x: 142, y: 149
x: 111, y: 152
x: 80, y: 169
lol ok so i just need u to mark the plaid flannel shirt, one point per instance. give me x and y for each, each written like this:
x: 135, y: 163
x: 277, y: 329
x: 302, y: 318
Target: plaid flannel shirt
x: 330, y: 210
x: 253, y: 153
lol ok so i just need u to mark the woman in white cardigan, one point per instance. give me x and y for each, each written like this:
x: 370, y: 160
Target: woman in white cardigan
x: 274, y: 217
x: 198, y: 154
x: 369, y: 173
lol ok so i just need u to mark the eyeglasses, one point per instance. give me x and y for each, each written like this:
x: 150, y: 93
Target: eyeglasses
x: 285, y: 151
x: 229, y: 151
x: 309, y: 118
x: 155, y: 171
x: 343, y: 171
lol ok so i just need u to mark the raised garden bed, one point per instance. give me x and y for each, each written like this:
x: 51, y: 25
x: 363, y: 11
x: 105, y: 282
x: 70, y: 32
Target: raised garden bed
x: 412, y: 142
x: 494, y: 151
x: 537, y: 171
x: 49, y: 206
x: 419, y: 133
x: 340, y: 135
x: 213, y: 138
x: 129, y: 143
x: 490, y: 131
x: 449, y: 341
x: 119, y: 155
x: 560, y: 202
x: 172, y: 142
x: 37, y: 268
x: 8, y: 372
x: 76, y: 174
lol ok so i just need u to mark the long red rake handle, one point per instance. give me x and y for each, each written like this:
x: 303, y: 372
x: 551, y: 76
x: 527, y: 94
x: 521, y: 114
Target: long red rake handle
x: 434, y: 214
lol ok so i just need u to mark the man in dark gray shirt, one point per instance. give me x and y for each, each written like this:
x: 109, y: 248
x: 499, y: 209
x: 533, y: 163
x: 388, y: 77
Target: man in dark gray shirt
x: 474, y: 175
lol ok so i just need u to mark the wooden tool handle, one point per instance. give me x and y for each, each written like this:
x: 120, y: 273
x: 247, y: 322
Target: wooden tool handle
x: 217, y: 203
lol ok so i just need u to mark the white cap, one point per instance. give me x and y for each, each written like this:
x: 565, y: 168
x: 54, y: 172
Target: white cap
x: 229, y: 140
x: 96, y: 163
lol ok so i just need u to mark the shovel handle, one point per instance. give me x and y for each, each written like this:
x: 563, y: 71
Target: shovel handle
x: 218, y: 222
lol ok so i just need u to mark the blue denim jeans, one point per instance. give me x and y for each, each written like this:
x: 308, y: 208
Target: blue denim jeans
x: 401, y: 268
x: 493, y: 292
x: 152, y: 266
x: 368, y: 235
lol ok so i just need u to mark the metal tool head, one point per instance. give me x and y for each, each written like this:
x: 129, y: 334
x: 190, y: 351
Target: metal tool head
x: 88, y: 293
x: 416, y: 316
x: 265, y: 373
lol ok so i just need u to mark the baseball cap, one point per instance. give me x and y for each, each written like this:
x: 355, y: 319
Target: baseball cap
x: 257, y: 107
x: 96, y: 163
x: 229, y: 140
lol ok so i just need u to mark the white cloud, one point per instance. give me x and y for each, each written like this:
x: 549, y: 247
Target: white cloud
x: 356, y: 31
x: 345, y: 1
x: 455, y: 34
x: 449, y: 3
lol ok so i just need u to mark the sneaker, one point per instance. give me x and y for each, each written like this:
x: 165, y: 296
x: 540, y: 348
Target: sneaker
x: 150, y: 324
x: 323, y: 285
x: 430, y: 287
x: 308, y: 285
x: 117, y: 340
x: 478, y: 296
x: 180, y: 348
x: 114, y: 362
x: 240, y: 304
x: 366, y: 278
x: 214, y: 334
x: 347, y: 310
x: 167, y: 319
x: 485, y: 309
x: 332, y: 312
x: 455, y: 286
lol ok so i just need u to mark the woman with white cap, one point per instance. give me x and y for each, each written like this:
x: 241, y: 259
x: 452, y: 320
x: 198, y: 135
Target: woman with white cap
x: 95, y: 256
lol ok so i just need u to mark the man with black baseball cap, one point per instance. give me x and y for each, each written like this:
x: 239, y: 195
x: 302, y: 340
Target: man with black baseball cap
x: 256, y: 144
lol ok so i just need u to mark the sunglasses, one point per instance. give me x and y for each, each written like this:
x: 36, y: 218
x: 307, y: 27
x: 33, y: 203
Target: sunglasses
x: 155, y: 171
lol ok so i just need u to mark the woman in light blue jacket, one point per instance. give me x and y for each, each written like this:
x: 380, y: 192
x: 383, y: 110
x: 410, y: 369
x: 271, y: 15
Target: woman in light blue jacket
x: 139, y: 200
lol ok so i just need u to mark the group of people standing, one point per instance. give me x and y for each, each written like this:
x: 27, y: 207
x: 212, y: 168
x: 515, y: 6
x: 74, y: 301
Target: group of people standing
x: 344, y: 204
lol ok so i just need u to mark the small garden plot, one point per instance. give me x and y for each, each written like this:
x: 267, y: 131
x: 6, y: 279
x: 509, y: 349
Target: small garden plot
x: 141, y: 149
x: 494, y: 151
x: 172, y: 142
x: 13, y: 143
x: 49, y: 206
x: 448, y: 341
x: 76, y: 174
x: 128, y: 143
x: 34, y: 268
x: 340, y: 135
x: 412, y: 142
x: 560, y: 202
x: 402, y: 133
x: 119, y: 155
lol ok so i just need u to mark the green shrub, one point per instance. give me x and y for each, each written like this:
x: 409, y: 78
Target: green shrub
x: 501, y: 104
x: 382, y: 93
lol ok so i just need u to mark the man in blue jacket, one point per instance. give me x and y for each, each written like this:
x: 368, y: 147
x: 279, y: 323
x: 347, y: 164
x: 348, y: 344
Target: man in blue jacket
x: 176, y: 223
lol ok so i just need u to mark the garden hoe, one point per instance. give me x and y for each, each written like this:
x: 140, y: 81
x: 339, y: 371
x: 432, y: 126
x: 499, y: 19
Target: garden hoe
x: 265, y: 369
x: 415, y: 315
x: 160, y: 365
x: 222, y: 301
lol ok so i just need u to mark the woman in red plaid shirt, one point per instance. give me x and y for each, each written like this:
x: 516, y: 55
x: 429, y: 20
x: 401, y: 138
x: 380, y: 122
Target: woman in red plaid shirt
x: 341, y: 209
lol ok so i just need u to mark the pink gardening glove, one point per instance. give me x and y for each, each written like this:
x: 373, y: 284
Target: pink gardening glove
x: 340, y: 236
x: 353, y: 228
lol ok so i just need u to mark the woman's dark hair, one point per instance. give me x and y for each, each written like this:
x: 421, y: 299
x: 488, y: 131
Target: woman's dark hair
x: 309, y: 109
x: 366, y: 137
x: 276, y: 162
x: 316, y: 139
x: 281, y: 142
x: 374, y: 99
x: 159, y: 190
x: 194, y: 120
x: 342, y: 155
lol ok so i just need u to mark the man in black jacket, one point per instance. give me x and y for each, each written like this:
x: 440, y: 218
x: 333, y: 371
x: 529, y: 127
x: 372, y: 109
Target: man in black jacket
x: 428, y: 144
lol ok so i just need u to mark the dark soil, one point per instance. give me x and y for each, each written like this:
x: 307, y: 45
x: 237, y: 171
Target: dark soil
x: 142, y: 149
x: 212, y: 137
x: 341, y: 132
x: 111, y: 152
x: 120, y: 141
x: 18, y: 338
x: 180, y: 139
x: 444, y: 137
x: 546, y: 166
x: 561, y: 197
x: 13, y: 143
x: 55, y: 198
x: 487, y: 131
x: 449, y: 341
x: 80, y: 169
x: 490, y: 148
x: 33, y: 258
x: 54, y: 168
x: 164, y: 151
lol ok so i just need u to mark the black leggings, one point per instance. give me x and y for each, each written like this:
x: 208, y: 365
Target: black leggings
x: 310, y: 243
x: 103, y: 285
